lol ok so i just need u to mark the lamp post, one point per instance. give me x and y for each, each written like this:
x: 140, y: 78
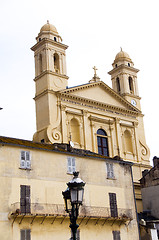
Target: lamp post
x: 73, y: 197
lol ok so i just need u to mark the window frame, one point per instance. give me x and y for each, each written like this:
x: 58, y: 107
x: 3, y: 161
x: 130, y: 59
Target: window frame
x: 25, y: 234
x: 113, y: 205
x: 116, y: 235
x: 71, y: 167
x: 25, y: 199
x: 100, y: 143
x: 26, y: 162
x: 110, y: 170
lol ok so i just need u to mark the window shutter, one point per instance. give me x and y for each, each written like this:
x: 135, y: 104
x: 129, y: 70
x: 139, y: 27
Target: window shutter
x: 22, y: 198
x: 110, y: 170
x: 113, y: 205
x: 25, y: 199
x: 25, y: 234
x: 28, y: 234
x: 28, y: 160
x: 69, y: 168
x: 28, y: 163
x: 22, y: 234
x: 22, y: 160
x: 25, y: 160
x: 116, y: 235
x: 71, y: 165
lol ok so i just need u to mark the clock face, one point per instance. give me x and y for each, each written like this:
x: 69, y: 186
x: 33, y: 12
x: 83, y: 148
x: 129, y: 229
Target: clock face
x: 133, y: 102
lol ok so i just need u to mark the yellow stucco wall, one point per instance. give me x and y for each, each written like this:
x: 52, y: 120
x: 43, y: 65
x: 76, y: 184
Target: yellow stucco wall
x: 47, y: 179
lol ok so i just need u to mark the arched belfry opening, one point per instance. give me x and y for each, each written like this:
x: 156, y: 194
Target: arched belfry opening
x: 40, y: 64
x: 118, y: 85
x: 102, y: 141
x: 56, y: 63
x: 131, y: 87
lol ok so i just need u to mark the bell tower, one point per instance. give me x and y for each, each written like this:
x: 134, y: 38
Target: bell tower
x: 50, y: 77
x: 124, y: 78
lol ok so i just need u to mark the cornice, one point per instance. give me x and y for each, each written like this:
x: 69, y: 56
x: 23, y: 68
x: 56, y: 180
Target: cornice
x: 92, y: 103
x: 52, y: 73
x: 97, y: 119
x: 46, y: 91
x: 105, y: 86
x: 131, y: 124
x: 131, y: 95
x: 84, y: 101
x: 74, y: 113
x: 121, y: 67
x: 47, y: 40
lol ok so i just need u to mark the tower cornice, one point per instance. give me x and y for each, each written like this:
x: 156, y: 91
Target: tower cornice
x: 52, y: 73
x: 121, y: 67
x: 47, y: 40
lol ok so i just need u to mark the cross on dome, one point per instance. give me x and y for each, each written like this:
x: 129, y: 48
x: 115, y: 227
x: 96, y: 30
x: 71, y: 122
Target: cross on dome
x: 95, y: 70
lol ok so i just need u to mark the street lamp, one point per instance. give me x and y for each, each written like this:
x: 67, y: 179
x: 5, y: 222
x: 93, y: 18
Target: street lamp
x: 73, y: 197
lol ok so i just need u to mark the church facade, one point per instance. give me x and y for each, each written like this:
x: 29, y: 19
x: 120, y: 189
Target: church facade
x: 95, y: 117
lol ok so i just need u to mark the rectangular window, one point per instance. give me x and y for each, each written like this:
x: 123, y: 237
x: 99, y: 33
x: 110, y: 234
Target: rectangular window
x: 71, y: 165
x: 25, y: 234
x: 25, y: 160
x: 116, y: 235
x: 110, y: 170
x: 25, y: 199
x: 113, y: 205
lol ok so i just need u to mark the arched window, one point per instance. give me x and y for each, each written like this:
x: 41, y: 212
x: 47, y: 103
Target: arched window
x: 131, y: 85
x: 40, y: 63
x: 128, y: 141
x: 75, y: 130
x: 102, y: 141
x: 118, y: 85
x: 56, y: 63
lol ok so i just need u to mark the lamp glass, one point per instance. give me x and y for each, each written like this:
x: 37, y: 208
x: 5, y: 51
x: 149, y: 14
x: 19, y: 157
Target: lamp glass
x: 77, y: 195
x: 80, y: 195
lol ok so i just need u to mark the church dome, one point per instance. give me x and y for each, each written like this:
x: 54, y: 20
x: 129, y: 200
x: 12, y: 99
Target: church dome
x: 49, y: 28
x: 122, y: 55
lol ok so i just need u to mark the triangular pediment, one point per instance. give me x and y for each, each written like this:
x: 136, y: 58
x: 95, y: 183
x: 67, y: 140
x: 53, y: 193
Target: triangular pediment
x: 99, y: 92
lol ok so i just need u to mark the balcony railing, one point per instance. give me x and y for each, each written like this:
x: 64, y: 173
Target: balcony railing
x: 43, y: 209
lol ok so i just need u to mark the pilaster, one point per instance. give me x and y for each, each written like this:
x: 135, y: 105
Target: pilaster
x: 118, y: 136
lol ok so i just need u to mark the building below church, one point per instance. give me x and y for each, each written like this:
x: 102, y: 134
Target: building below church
x: 33, y: 176
x: 105, y: 128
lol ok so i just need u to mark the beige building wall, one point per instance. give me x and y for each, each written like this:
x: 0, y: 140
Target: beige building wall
x: 47, y: 178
